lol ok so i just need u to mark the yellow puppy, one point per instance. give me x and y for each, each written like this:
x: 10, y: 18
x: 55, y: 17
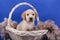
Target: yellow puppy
x: 28, y: 20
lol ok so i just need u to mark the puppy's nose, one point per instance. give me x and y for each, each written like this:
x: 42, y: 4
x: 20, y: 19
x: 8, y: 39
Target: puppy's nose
x: 31, y: 19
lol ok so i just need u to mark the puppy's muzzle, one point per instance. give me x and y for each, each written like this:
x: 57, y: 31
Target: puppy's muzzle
x: 31, y: 19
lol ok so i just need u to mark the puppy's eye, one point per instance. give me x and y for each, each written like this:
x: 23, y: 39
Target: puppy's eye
x: 33, y: 14
x: 27, y: 14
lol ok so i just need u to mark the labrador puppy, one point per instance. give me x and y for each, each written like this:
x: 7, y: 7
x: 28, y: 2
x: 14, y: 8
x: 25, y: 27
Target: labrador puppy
x: 28, y: 20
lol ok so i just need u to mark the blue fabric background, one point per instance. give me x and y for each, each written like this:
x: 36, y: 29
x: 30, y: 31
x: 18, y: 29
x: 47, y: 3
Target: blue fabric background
x: 47, y: 9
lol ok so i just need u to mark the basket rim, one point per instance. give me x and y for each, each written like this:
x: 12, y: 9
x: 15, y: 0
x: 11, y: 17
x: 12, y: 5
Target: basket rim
x: 22, y: 33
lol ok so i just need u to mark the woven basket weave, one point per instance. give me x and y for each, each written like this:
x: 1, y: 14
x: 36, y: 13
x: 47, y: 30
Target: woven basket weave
x: 23, y: 35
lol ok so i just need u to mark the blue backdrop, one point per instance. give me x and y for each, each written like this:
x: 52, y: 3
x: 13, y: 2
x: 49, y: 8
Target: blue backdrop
x: 47, y: 9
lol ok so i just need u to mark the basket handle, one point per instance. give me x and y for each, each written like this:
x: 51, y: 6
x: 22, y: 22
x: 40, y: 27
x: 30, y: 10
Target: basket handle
x: 16, y: 6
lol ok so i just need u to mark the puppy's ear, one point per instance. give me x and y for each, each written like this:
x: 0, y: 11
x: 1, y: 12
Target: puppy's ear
x: 23, y: 15
x: 36, y: 15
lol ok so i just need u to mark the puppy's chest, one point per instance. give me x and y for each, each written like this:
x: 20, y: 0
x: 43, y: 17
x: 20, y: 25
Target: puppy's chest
x: 30, y: 25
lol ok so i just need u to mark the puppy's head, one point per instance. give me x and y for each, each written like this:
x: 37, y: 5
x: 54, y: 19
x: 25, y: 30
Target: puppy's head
x: 29, y: 15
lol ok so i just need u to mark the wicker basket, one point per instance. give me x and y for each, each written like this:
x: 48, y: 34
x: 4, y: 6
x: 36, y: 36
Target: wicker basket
x: 23, y: 35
